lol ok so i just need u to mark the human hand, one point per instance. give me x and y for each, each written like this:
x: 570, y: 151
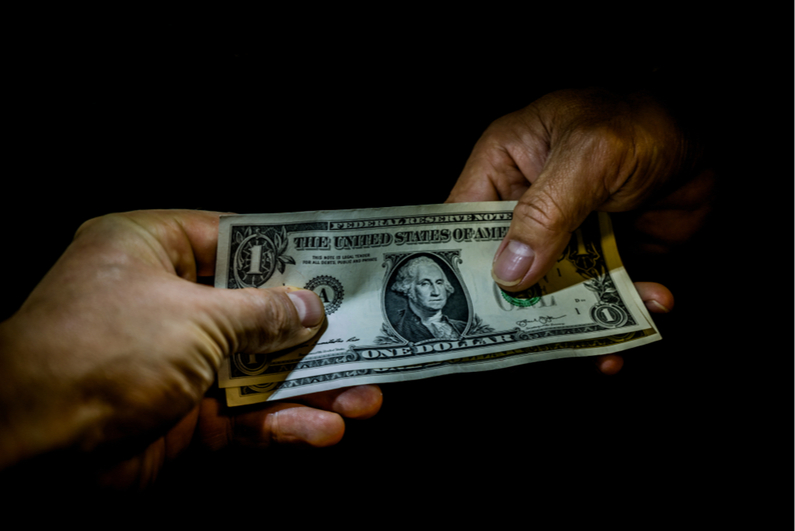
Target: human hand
x: 115, y: 348
x: 576, y: 151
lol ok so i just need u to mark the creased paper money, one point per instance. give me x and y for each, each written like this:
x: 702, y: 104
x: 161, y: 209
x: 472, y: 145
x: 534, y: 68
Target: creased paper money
x: 408, y: 294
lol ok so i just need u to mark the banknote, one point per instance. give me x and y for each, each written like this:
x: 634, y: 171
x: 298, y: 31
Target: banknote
x: 252, y: 394
x: 408, y: 294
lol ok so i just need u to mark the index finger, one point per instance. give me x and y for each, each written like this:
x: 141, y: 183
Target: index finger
x: 184, y: 240
x: 505, y: 160
x: 201, y: 228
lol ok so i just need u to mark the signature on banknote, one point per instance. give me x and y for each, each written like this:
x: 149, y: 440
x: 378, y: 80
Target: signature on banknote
x: 339, y: 340
x: 538, y: 321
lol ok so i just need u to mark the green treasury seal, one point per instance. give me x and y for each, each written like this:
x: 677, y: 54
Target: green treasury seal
x: 525, y: 298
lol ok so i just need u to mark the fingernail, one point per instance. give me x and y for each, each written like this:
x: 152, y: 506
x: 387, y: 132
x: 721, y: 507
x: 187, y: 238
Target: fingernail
x: 512, y: 264
x: 309, y: 307
x: 654, y: 306
x: 301, y: 426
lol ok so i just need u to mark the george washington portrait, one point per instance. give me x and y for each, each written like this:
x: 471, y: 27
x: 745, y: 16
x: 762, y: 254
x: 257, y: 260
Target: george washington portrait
x: 424, y: 302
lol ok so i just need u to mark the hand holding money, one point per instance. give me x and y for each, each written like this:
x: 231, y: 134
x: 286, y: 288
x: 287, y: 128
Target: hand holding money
x: 115, y: 348
x: 408, y: 295
x: 573, y: 152
x: 78, y: 357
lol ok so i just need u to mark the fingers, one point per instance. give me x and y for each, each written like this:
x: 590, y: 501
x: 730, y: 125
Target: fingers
x: 180, y: 241
x: 321, y: 424
x: 183, y: 242
x: 564, y: 156
x: 277, y: 423
x: 609, y: 364
x: 360, y: 402
x: 569, y: 188
x: 216, y: 427
x: 557, y: 173
x: 249, y: 320
x: 657, y: 299
x: 318, y: 422
x: 490, y: 174
x: 289, y: 424
x: 255, y: 320
x: 511, y: 155
x: 506, y: 159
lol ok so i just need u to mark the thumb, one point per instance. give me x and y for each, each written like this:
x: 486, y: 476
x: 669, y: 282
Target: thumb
x: 543, y: 221
x: 269, y: 320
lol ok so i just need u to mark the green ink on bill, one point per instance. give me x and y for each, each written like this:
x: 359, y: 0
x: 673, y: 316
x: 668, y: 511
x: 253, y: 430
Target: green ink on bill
x: 525, y: 298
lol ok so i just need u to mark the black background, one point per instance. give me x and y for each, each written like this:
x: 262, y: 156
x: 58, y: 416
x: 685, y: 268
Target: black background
x: 177, y: 114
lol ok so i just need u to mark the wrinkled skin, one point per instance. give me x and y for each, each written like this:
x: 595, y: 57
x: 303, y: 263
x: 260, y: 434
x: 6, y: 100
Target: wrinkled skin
x: 126, y: 343
x: 576, y: 151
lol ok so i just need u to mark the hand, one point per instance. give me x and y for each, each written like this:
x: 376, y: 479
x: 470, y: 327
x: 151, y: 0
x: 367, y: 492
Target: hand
x: 116, y: 347
x: 657, y: 299
x: 576, y: 151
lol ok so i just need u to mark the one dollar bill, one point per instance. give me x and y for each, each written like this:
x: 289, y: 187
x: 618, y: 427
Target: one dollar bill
x: 408, y: 294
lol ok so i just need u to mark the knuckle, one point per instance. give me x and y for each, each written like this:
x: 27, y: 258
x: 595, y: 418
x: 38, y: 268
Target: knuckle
x: 512, y: 127
x: 602, y: 139
x: 277, y: 325
x: 609, y: 150
x: 541, y: 210
x: 98, y: 223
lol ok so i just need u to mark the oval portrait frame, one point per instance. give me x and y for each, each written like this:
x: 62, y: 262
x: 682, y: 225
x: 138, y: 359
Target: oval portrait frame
x: 459, y: 303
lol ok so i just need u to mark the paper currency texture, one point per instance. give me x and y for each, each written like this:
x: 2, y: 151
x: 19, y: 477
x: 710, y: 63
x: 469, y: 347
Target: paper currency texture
x: 408, y: 294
